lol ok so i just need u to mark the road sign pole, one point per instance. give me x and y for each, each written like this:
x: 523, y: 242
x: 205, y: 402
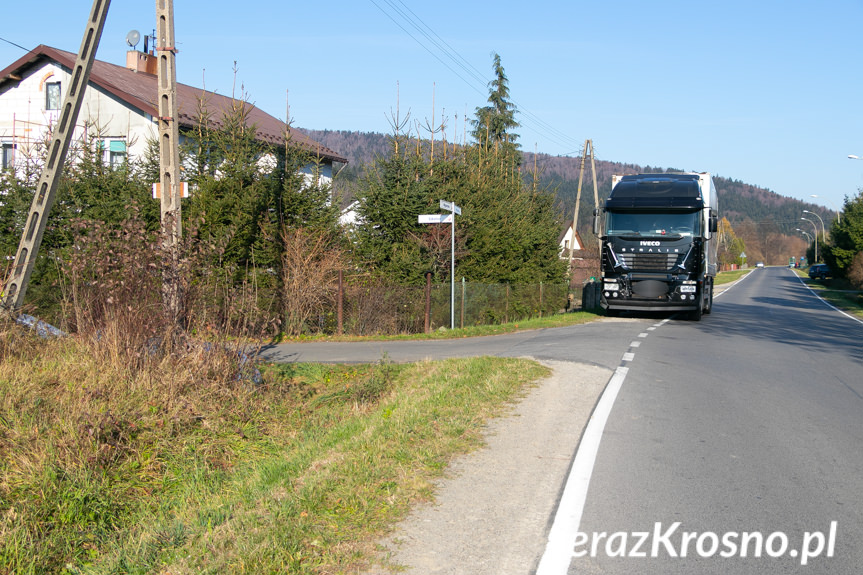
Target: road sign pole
x: 452, y: 276
x: 442, y: 219
x: 445, y: 205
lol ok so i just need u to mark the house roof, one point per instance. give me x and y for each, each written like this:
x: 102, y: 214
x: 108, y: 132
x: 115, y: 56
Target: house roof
x: 140, y: 90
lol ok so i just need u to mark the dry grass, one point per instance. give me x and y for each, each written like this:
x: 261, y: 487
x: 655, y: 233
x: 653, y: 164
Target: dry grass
x: 162, y: 461
x: 90, y: 433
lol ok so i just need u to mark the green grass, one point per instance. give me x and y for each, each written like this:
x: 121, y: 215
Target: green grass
x: 168, y: 467
x: 730, y: 276
x: 838, y: 292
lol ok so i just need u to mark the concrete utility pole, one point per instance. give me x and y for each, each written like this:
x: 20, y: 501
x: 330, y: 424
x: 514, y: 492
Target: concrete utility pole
x: 46, y: 189
x: 169, y: 150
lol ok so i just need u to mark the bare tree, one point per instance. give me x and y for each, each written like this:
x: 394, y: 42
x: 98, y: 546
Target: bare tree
x: 310, y: 266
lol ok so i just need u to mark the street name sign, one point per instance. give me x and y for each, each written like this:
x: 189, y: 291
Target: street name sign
x: 435, y: 218
x: 445, y: 205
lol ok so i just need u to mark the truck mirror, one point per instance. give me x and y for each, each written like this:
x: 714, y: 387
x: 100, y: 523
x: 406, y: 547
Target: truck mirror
x: 596, y: 225
x: 714, y: 223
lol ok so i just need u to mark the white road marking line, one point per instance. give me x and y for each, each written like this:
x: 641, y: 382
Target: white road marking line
x: 643, y: 334
x: 827, y: 303
x: 635, y: 344
x: 561, y: 538
x: 628, y: 356
x: 728, y: 287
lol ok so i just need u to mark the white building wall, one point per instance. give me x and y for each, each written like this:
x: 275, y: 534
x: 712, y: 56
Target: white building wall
x: 24, y: 120
x: 323, y: 171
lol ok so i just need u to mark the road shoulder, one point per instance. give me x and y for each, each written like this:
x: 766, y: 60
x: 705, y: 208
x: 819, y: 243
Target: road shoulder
x: 492, y: 512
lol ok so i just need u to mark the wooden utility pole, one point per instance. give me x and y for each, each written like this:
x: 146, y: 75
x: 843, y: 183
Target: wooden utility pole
x: 169, y: 150
x: 588, y: 149
x: 46, y: 189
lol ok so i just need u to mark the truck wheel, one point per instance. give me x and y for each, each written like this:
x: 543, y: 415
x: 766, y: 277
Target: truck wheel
x: 709, y: 307
x: 695, y: 315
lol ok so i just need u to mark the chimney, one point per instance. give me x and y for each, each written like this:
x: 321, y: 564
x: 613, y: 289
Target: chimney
x: 141, y: 62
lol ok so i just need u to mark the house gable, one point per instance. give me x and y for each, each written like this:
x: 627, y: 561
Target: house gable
x: 566, y: 240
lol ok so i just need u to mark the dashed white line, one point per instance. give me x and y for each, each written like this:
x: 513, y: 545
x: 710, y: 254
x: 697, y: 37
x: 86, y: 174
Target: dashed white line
x: 567, y: 520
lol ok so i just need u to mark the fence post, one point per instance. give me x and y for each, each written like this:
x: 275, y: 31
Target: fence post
x: 428, y: 303
x: 340, y: 304
x: 540, y: 299
x: 506, y: 306
x: 462, y: 301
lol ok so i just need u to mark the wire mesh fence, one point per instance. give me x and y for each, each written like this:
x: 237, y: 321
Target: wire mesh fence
x: 368, y: 308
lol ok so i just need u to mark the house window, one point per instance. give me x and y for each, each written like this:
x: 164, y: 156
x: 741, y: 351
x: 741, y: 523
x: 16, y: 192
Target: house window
x: 115, y: 150
x: 8, y: 156
x: 117, y: 159
x: 52, y: 96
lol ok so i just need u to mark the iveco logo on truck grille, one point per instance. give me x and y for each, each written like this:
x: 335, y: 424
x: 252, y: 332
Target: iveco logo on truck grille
x: 647, y: 243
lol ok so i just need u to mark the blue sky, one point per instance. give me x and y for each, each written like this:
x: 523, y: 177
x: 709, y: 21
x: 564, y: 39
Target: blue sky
x: 763, y: 91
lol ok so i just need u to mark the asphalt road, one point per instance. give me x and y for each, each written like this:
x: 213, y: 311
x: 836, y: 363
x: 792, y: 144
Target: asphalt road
x: 749, y: 421
x: 598, y: 343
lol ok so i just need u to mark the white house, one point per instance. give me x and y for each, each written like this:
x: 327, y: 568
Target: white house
x: 121, y: 102
x: 566, y: 240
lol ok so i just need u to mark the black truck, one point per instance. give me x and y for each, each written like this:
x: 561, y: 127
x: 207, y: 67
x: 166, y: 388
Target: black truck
x: 658, y: 243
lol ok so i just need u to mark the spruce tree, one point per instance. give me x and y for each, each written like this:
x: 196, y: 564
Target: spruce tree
x: 494, y: 123
x: 846, y: 236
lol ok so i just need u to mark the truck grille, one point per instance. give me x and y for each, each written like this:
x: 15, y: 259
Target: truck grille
x: 648, y: 262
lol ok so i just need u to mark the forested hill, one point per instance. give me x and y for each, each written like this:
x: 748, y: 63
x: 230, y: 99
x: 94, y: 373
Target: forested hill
x: 359, y: 148
x: 738, y: 201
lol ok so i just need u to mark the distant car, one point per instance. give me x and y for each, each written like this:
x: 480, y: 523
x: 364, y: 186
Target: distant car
x: 759, y: 265
x: 820, y: 271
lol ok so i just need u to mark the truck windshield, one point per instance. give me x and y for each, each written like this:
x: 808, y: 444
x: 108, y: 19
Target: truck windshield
x: 652, y: 224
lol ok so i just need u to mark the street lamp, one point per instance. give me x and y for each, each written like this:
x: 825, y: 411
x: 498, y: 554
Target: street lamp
x: 816, y: 237
x: 838, y: 213
x: 805, y: 233
x: 823, y: 231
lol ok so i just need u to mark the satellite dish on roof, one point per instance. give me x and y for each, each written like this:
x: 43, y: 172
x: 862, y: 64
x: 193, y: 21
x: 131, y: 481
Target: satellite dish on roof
x: 132, y: 38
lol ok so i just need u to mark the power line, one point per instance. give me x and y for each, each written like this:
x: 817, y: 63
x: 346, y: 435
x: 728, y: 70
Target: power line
x: 426, y: 48
x: 406, y: 14
x: 439, y: 42
x: 471, y: 70
x: 14, y: 44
